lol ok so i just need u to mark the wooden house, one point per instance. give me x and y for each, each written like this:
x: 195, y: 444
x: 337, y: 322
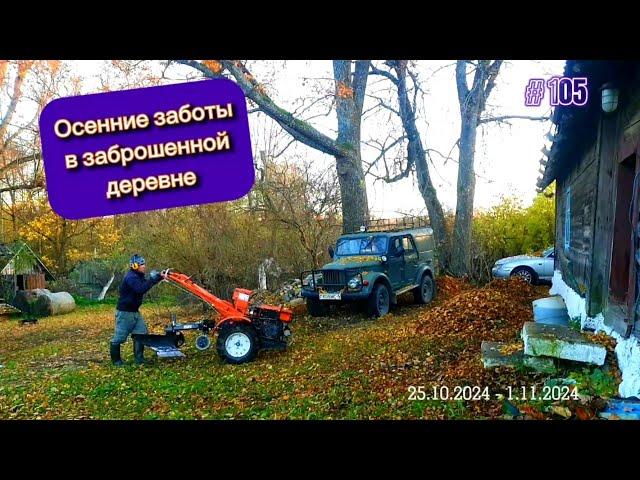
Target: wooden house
x: 21, y: 269
x: 594, y: 160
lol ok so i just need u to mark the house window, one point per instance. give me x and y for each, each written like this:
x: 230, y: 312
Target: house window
x: 567, y: 219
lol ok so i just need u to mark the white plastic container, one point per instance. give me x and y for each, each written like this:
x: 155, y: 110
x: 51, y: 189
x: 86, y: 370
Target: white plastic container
x: 550, y: 310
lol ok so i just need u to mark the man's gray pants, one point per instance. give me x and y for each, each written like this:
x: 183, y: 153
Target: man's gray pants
x: 126, y: 324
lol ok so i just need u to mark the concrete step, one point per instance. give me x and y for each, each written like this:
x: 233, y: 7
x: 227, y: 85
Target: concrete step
x: 561, y: 342
x: 498, y: 354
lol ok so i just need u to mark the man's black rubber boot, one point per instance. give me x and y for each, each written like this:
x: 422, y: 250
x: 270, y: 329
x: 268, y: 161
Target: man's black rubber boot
x: 138, y: 352
x: 115, y: 355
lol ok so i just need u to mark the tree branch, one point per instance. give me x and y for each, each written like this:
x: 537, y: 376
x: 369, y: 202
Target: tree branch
x: 24, y: 186
x: 383, y: 73
x: 502, y: 118
x: 17, y: 162
x: 360, y: 82
x: 299, y: 129
x: 383, y: 105
x: 383, y: 151
x: 461, y: 81
x: 492, y: 73
x: 15, y: 97
x: 276, y: 155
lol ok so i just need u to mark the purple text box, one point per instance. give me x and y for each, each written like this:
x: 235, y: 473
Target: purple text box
x: 222, y: 173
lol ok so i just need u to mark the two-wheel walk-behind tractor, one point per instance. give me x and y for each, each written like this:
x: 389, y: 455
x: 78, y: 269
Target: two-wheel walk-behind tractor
x: 243, y: 329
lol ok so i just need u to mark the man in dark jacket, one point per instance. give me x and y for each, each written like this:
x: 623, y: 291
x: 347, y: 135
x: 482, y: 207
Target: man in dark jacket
x: 128, y: 317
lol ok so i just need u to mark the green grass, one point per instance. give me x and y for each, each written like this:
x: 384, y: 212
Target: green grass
x: 59, y: 368
x: 166, y: 300
x: 595, y: 381
x: 88, y: 303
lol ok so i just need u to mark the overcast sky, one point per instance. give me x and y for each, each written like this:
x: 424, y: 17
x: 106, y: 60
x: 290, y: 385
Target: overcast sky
x: 507, y: 157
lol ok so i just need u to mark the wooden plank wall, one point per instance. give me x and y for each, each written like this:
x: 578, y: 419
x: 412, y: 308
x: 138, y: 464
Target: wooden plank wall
x: 575, y: 262
x: 604, y: 221
x: 34, y: 280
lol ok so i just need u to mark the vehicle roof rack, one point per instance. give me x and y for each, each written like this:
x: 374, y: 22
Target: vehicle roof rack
x: 393, y: 224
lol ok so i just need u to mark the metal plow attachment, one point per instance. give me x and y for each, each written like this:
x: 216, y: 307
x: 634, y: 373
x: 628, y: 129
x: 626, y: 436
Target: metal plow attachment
x: 165, y: 346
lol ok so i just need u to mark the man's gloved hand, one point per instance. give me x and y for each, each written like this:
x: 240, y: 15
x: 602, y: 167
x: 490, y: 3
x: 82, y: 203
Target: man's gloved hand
x: 155, y: 276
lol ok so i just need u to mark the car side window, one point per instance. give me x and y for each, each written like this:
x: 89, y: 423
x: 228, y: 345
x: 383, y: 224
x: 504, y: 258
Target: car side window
x: 407, y: 244
x: 395, y: 246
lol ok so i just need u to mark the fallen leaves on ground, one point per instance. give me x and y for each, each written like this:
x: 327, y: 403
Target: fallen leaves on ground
x: 511, y: 348
x: 451, y: 286
x: 498, y: 308
x: 344, y: 366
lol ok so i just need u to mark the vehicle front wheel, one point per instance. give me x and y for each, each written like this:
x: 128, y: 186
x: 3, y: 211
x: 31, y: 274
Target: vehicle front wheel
x: 237, y: 343
x: 379, y: 301
x: 317, y: 308
x: 425, y: 292
x: 526, y: 274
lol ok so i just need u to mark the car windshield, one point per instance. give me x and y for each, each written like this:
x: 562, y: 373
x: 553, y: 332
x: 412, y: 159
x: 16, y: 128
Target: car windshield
x: 362, y: 246
x: 547, y: 252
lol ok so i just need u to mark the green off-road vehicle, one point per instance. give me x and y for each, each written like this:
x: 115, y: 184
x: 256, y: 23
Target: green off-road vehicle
x: 374, y: 267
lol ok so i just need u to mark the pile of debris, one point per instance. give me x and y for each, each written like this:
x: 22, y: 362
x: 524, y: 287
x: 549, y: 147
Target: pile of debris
x: 451, y: 286
x: 497, y: 310
x: 291, y: 290
x: 289, y: 295
x: 265, y: 296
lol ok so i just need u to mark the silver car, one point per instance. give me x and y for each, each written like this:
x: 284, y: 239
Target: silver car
x: 532, y: 269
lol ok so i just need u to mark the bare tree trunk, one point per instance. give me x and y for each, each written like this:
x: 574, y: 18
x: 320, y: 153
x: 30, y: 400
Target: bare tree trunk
x: 472, y: 104
x: 12, y: 213
x: 353, y: 192
x: 349, y: 100
x: 350, y: 90
x: 461, y: 246
x: 416, y: 156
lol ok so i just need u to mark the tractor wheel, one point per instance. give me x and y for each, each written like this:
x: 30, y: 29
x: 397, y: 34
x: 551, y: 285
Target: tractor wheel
x: 526, y: 274
x: 203, y: 342
x: 237, y: 343
x: 379, y: 301
x: 425, y: 292
x: 317, y: 308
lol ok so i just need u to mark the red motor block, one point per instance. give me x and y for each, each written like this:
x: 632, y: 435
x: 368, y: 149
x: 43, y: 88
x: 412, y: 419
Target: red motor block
x: 241, y: 299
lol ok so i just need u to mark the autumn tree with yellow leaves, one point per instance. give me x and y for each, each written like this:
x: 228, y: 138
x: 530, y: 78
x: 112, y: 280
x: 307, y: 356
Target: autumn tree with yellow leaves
x: 62, y: 243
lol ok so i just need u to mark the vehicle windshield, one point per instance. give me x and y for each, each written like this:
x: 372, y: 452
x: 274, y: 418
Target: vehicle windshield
x: 547, y: 252
x: 362, y: 246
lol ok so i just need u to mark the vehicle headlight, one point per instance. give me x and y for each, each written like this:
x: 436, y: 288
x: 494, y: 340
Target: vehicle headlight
x: 354, y: 283
x: 504, y: 267
x: 310, y: 281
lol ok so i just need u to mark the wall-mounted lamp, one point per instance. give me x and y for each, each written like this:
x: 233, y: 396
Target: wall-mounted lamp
x: 610, y: 95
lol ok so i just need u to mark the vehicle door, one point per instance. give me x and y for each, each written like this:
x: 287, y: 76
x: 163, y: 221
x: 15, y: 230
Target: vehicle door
x: 395, y: 262
x: 548, y: 264
x: 410, y: 260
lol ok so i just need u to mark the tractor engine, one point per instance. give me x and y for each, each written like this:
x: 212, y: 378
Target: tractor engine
x: 271, y: 327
